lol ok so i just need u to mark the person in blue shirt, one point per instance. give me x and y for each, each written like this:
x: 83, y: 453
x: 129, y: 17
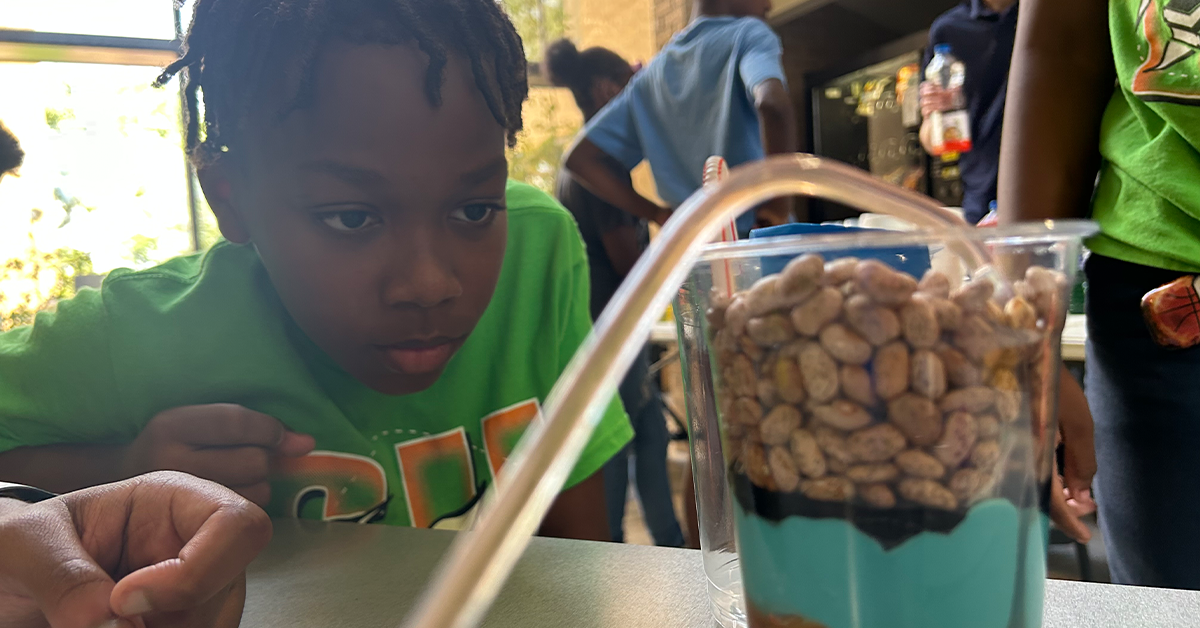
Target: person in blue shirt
x: 981, y: 34
x: 718, y: 88
x: 614, y: 240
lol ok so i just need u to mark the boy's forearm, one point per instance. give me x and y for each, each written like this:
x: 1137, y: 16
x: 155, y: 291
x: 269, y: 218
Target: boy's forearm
x: 777, y: 118
x: 579, y: 512
x: 1059, y: 83
x: 925, y: 135
x: 777, y: 123
x: 589, y: 165
x: 64, y: 468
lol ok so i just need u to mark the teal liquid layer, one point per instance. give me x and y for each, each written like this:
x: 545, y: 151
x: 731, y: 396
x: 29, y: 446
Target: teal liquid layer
x: 985, y: 573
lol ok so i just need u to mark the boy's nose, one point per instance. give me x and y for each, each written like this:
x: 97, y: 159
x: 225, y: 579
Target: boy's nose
x: 420, y: 277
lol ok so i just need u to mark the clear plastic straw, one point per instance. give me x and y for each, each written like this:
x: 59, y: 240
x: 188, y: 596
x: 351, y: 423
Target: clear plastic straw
x: 479, y: 561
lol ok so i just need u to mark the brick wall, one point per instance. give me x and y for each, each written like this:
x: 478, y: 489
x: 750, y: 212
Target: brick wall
x: 670, y: 16
x: 623, y: 26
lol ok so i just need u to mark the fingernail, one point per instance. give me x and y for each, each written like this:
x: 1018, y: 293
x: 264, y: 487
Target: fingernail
x: 136, y: 604
x: 114, y: 623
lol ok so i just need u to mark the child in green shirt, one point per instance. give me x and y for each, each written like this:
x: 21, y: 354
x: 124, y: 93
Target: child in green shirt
x: 387, y: 312
x: 1113, y: 88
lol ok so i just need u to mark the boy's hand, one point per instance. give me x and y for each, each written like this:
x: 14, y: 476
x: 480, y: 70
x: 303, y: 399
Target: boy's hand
x: 155, y: 551
x: 773, y: 213
x: 934, y: 98
x: 225, y: 443
x: 1070, y: 494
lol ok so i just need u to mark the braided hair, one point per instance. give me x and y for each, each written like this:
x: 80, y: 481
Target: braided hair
x: 11, y: 154
x: 234, y: 46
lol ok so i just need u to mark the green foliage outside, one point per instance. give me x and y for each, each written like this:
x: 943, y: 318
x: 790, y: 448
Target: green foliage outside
x: 50, y: 275
x: 538, y: 22
x: 37, y: 279
x: 551, y: 120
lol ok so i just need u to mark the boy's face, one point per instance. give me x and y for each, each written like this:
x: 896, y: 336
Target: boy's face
x: 378, y: 217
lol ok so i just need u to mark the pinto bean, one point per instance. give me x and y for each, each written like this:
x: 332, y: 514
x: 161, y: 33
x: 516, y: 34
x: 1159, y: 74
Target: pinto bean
x: 917, y: 417
x: 891, y: 368
x: 819, y: 310
x: 918, y: 320
x: 882, y: 283
x: 844, y: 345
x: 819, y: 373
x: 877, y: 324
x: 928, y: 374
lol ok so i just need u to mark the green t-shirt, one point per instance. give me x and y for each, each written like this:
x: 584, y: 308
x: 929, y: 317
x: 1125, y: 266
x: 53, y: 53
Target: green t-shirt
x: 1148, y: 198
x: 209, y: 328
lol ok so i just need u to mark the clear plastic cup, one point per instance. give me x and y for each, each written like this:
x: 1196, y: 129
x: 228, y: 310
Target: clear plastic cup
x: 887, y: 443
x: 478, y: 563
x: 714, y: 503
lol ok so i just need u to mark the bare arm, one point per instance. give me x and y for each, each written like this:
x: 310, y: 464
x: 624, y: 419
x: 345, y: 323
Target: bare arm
x: 225, y: 443
x: 579, y: 512
x: 64, y: 468
x: 591, y: 167
x: 933, y: 98
x: 1059, y: 83
x: 777, y: 121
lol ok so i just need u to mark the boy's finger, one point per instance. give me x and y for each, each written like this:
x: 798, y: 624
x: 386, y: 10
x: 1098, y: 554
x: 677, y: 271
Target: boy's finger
x: 259, y: 493
x: 1078, y: 434
x: 1081, y: 502
x: 1063, y: 517
x: 295, y: 445
x: 227, y: 425
x: 43, y: 554
x: 230, y: 466
x: 216, y: 556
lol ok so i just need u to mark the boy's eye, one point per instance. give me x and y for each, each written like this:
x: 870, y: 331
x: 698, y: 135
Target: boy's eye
x: 349, y: 221
x: 475, y: 214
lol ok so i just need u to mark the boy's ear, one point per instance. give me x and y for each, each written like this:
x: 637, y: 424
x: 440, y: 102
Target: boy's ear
x: 218, y: 190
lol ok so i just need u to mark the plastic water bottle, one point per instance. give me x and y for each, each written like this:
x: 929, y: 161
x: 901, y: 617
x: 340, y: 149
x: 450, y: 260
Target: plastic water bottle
x: 992, y: 218
x: 951, y: 128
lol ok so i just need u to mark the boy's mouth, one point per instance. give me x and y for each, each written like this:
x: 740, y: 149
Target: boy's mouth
x: 420, y: 357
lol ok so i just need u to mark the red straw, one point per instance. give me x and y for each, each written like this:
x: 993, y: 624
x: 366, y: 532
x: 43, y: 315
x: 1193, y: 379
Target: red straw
x: 715, y: 171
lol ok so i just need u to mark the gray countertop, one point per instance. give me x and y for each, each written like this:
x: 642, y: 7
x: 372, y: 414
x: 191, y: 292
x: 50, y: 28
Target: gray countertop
x: 316, y: 574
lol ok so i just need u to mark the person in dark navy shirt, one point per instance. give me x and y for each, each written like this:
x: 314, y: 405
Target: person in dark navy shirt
x: 981, y: 34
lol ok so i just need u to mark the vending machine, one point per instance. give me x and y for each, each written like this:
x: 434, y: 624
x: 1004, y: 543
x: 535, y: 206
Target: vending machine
x: 867, y: 113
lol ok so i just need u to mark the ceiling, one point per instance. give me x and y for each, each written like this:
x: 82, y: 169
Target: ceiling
x: 900, y: 17
x: 785, y: 10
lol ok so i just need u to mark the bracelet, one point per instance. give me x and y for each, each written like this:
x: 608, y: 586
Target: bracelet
x: 27, y: 494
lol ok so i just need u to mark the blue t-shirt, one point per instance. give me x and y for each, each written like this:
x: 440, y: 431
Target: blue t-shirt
x: 694, y: 100
x: 983, y: 40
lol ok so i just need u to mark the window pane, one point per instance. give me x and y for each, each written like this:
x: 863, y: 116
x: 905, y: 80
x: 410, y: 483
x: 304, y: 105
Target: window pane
x: 539, y: 22
x: 551, y: 121
x: 151, y: 19
x: 104, y: 184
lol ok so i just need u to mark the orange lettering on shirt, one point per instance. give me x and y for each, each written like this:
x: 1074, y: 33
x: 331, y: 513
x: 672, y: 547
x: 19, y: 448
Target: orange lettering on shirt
x: 503, y: 428
x: 350, y: 486
x: 438, y: 475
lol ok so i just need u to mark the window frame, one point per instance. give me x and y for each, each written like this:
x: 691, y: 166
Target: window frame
x: 26, y: 46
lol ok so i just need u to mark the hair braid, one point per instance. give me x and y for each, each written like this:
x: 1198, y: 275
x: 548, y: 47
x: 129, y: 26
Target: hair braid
x: 234, y: 46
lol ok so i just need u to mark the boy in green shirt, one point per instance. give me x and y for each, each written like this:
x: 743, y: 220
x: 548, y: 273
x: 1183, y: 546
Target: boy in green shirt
x: 1114, y: 88
x: 387, y: 312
